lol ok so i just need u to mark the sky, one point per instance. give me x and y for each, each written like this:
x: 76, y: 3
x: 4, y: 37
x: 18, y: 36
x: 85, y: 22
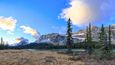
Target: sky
x: 28, y: 19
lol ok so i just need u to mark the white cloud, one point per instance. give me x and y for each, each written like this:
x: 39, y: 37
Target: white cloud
x: 82, y: 12
x: 7, y: 23
x: 29, y: 30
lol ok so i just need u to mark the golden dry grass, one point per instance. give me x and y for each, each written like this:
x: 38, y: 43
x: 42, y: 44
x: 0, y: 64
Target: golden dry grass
x: 28, y: 57
x: 25, y: 57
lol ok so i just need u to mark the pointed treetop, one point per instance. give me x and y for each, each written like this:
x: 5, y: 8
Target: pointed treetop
x: 102, y: 25
x: 89, y: 24
x: 69, y: 19
x: 87, y: 28
x: 1, y: 38
x: 109, y: 26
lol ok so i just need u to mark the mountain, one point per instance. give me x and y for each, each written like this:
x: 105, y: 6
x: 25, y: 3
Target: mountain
x: 53, y: 38
x: 79, y: 36
x: 95, y: 33
x: 21, y: 41
x: 34, y: 46
x: 58, y: 39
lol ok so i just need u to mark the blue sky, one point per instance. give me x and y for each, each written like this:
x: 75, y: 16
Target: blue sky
x: 48, y: 16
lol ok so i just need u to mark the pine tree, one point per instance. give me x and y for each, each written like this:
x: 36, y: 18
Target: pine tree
x: 87, y: 34
x: 2, y: 44
x: 102, y: 33
x: 108, y: 47
x: 105, y: 42
x: 89, y: 44
x: 109, y: 35
x: 103, y: 36
x: 86, y: 39
x: 69, y: 36
x: 2, y: 41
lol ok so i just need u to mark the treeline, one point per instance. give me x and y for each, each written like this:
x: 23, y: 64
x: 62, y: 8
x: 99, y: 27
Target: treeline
x: 88, y: 44
x: 80, y: 45
x: 104, y: 44
x: 3, y: 44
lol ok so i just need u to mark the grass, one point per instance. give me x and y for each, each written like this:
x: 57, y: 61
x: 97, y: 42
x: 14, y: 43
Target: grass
x: 25, y: 57
x: 28, y: 57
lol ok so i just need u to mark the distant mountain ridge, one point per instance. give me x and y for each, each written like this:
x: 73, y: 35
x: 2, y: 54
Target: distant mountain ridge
x: 53, y: 38
x: 95, y: 33
x: 77, y: 36
x: 58, y: 39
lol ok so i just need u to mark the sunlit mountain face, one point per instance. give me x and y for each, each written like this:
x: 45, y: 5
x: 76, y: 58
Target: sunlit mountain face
x: 28, y: 19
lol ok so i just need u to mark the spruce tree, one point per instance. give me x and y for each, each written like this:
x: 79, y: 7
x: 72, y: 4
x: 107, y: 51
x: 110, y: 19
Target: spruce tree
x: 87, y: 34
x: 105, y: 41
x: 2, y: 44
x: 102, y: 35
x: 69, y: 36
x: 86, y: 39
x: 109, y: 35
x: 1, y: 40
x: 108, y: 47
x: 89, y: 44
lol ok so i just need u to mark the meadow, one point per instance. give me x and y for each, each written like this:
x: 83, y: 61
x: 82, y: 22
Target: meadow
x: 47, y: 57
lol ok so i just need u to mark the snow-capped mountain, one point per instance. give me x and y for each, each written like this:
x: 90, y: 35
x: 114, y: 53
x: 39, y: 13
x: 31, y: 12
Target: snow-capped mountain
x: 58, y: 39
x: 21, y: 41
x: 81, y: 34
x: 53, y: 38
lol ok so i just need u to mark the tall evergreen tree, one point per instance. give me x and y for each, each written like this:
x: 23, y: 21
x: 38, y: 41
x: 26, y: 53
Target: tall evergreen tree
x: 69, y: 41
x: 109, y: 35
x: 105, y: 42
x: 86, y: 39
x: 109, y: 41
x: 1, y: 43
x: 90, y: 35
x: 89, y: 44
x: 87, y: 34
x: 102, y: 35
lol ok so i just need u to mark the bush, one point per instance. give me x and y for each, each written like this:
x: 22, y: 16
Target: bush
x: 102, y: 54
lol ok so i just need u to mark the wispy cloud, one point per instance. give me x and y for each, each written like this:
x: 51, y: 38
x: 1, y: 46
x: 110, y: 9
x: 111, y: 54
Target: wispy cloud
x: 29, y: 30
x: 82, y: 12
x: 7, y: 23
